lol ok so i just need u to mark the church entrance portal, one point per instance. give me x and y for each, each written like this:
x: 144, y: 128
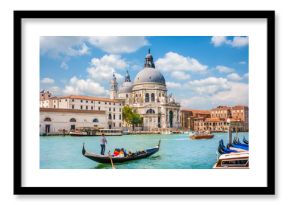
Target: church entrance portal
x: 170, y: 118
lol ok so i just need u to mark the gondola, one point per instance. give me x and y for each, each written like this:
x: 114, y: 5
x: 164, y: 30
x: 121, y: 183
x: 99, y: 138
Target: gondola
x: 238, y: 143
x: 245, y: 141
x: 223, y: 150
x: 134, y: 156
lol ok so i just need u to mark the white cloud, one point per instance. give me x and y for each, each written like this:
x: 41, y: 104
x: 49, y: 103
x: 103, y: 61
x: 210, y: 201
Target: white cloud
x: 234, y: 77
x: 176, y: 63
x: 47, y: 81
x: 224, y: 69
x: 57, y: 46
x: 209, y: 86
x: 238, y: 93
x: 246, y: 75
x: 180, y: 75
x: 218, y: 40
x: 238, y: 41
x: 104, y: 67
x: 64, y: 65
x: 84, y: 86
x: 242, y: 62
x: 118, y: 44
x: 173, y: 85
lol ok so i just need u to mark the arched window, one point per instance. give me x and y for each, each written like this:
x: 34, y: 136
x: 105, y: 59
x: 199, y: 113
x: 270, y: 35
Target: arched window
x: 95, y: 120
x: 73, y: 120
x: 152, y: 97
x: 150, y: 111
x: 147, y: 97
x: 110, y: 116
x: 47, y: 119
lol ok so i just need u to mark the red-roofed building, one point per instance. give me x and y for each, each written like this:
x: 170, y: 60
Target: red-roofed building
x: 216, y: 118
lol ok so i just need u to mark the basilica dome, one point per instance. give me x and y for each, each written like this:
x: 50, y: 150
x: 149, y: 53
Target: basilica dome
x: 149, y: 74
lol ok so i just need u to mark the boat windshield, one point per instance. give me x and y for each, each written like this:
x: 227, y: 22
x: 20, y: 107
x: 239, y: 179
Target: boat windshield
x: 235, y: 163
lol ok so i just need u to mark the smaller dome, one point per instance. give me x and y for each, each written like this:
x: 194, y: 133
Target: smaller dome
x: 126, y: 87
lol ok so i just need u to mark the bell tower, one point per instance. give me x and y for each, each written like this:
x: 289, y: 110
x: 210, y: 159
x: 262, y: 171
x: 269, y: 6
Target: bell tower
x: 114, y: 87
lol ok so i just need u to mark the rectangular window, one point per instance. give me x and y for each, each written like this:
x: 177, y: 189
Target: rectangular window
x: 120, y: 117
x: 87, y: 107
x: 87, y: 101
x: 109, y: 109
x: 114, y: 109
x: 99, y: 108
x: 120, y: 125
x: 114, y: 117
x: 81, y: 107
x: 73, y: 100
x: 99, y: 102
x: 109, y: 103
x: 81, y: 101
x: 92, y: 101
x: 72, y: 107
x: 105, y: 103
x: 92, y: 107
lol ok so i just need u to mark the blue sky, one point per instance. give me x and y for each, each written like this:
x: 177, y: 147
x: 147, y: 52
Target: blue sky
x: 200, y: 71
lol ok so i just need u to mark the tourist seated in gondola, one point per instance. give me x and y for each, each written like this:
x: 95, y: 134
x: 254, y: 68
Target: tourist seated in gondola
x: 121, y: 153
x: 116, y: 152
x: 125, y: 152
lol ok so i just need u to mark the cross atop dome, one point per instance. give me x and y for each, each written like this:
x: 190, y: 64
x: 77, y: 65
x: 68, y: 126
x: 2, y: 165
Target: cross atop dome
x: 149, y: 63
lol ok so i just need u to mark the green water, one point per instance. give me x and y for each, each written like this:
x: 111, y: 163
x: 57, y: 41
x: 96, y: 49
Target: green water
x: 176, y: 151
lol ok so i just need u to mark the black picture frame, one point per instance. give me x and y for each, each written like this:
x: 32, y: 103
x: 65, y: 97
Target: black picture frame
x: 268, y: 190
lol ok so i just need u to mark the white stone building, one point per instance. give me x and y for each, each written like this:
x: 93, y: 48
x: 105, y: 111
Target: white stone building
x: 111, y: 107
x: 148, y: 96
x: 58, y: 120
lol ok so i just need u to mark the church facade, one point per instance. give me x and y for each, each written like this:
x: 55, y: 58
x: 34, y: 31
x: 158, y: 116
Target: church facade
x: 148, y: 95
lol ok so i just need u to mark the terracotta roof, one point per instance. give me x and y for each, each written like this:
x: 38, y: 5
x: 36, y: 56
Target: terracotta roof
x: 200, y: 112
x: 72, y: 110
x: 80, y: 97
x: 196, y: 111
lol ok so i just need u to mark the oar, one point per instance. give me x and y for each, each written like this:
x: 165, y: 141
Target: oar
x: 113, y: 167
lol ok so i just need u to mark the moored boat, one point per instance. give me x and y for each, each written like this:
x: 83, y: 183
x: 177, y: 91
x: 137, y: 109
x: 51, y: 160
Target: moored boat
x: 78, y: 133
x: 116, y: 159
x: 201, y: 135
x: 245, y: 141
x: 237, y: 160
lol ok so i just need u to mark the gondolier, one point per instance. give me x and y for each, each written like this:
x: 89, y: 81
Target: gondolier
x: 103, y: 144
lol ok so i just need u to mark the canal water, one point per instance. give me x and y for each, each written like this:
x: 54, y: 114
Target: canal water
x: 176, y: 151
